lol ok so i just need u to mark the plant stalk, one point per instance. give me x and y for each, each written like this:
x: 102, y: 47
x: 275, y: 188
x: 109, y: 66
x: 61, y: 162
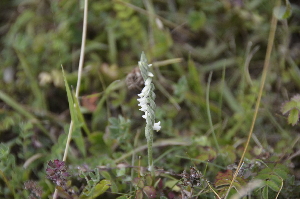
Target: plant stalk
x: 81, y: 59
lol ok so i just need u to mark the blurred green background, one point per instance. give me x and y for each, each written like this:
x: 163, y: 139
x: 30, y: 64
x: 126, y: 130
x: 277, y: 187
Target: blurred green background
x: 185, y: 41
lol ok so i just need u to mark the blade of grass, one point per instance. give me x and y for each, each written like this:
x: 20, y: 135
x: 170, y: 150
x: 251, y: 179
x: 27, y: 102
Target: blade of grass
x: 161, y: 143
x: 221, y: 93
x: 75, y: 121
x: 167, y: 95
x: 166, y: 153
x: 218, y: 65
x: 231, y: 100
x: 113, y: 86
x: 37, y: 92
x: 80, y: 117
x: 201, y: 161
x: 208, y: 112
x: 79, y: 75
x: 263, y: 80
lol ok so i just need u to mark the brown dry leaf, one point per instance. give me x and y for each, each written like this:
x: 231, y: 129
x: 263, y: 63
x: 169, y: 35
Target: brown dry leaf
x: 90, y: 102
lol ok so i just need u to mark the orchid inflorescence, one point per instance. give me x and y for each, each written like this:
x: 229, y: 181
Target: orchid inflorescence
x: 147, y: 104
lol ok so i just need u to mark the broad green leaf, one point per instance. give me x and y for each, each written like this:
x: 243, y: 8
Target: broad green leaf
x: 293, y: 117
x: 283, y: 174
x: 262, y: 176
x: 266, y: 170
x: 114, y: 187
x: 274, y: 182
x: 272, y: 185
x: 99, y: 189
x: 172, y: 184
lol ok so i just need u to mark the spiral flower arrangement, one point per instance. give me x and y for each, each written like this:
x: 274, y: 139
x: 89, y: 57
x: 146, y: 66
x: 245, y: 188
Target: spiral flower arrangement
x: 147, y: 104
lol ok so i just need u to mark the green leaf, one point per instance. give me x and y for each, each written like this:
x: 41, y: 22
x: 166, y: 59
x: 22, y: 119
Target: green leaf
x: 98, y: 145
x: 272, y: 185
x: 293, y: 117
x: 193, y: 78
x: 172, y: 184
x: 39, y: 98
x: 274, y: 182
x: 283, y: 174
x: 114, y: 187
x: 97, y: 113
x: 81, y: 117
x: 196, y: 20
x: 99, y: 189
x: 288, y: 106
x: 4, y: 151
x: 76, y: 134
x: 262, y: 176
x: 70, y: 100
x: 265, y: 192
x: 79, y: 140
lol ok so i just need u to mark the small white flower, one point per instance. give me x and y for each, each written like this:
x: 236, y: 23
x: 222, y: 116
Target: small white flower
x: 150, y: 74
x: 142, y: 101
x: 143, y: 108
x: 156, y: 126
x: 145, y: 115
x: 148, y: 82
x: 141, y: 95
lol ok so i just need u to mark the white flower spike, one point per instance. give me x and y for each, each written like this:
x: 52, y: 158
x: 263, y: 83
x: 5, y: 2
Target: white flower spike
x: 147, y: 104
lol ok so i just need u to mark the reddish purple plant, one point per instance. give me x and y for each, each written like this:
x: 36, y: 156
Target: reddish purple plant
x: 57, y: 172
x: 35, y: 190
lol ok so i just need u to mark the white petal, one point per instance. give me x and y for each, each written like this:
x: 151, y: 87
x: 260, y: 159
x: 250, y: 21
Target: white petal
x: 148, y: 82
x: 156, y: 126
x: 150, y: 74
x: 142, y: 100
x: 143, y: 108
